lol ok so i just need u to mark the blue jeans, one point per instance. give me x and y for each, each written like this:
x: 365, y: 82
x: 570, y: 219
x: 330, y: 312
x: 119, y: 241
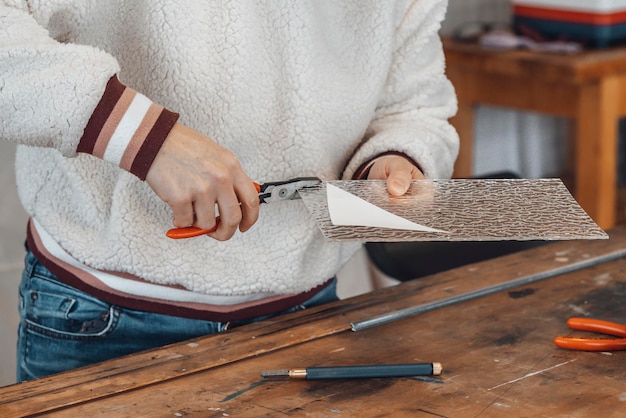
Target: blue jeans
x: 64, y: 328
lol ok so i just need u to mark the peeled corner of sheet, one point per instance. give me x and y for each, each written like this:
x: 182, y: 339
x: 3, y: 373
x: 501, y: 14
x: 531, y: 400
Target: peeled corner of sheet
x: 347, y: 209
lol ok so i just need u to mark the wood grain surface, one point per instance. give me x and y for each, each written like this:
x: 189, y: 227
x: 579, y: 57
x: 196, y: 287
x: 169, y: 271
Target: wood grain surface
x: 496, y: 351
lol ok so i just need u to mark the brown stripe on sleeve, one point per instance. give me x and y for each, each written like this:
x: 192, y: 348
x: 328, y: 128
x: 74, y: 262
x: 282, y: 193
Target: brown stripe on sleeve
x: 114, y: 119
x: 151, y: 146
x: 112, y: 94
x: 140, y: 136
x: 362, y: 172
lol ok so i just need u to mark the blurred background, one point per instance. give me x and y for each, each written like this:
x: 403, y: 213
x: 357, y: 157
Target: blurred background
x: 530, y: 145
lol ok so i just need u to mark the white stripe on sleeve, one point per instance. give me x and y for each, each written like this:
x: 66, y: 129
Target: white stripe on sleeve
x: 126, y: 128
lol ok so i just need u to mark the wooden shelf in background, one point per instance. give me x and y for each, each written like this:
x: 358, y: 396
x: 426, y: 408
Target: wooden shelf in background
x: 589, y: 88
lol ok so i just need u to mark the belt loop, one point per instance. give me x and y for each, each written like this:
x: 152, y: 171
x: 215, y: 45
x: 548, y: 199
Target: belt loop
x: 29, y: 261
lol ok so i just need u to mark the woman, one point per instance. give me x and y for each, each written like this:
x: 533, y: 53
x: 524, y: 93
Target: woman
x: 136, y: 117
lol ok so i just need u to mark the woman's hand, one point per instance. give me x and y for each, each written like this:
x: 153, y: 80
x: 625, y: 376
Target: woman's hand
x: 397, y: 170
x: 193, y: 174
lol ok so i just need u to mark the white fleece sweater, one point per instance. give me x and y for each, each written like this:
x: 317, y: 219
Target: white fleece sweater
x: 293, y: 88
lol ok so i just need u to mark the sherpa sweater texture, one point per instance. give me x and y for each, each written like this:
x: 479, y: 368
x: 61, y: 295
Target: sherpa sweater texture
x: 293, y: 88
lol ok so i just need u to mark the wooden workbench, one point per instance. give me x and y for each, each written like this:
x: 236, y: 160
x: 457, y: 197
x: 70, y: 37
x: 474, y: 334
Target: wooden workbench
x: 589, y: 88
x: 496, y: 351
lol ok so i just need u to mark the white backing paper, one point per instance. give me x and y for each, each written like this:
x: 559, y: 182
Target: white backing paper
x: 347, y: 209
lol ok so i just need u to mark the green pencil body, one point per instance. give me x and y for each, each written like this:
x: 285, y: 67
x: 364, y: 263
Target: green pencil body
x: 358, y: 372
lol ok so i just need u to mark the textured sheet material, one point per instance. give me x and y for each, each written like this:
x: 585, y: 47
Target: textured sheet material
x: 467, y: 210
x: 347, y: 209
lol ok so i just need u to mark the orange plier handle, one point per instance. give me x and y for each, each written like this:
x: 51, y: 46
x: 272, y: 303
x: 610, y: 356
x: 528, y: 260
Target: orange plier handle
x: 594, y: 344
x: 268, y: 192
x: 192, y: 231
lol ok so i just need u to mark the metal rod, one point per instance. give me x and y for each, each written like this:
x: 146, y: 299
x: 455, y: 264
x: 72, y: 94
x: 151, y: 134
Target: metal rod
x: 429, y: 306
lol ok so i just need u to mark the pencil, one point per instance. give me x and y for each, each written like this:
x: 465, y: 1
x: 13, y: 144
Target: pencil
x: 357, y: 372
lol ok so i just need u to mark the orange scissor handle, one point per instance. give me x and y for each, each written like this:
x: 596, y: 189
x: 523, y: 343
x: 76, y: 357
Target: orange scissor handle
x: 597, y: 325
x: 594, y: 344
x: 192, y: 231
x: 591, y: 344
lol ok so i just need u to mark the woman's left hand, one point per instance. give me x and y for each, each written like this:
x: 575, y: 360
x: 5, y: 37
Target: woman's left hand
x: 397, y: 170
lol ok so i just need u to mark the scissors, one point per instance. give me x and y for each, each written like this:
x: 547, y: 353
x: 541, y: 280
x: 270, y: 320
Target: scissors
x: 594, y: 344
x: 268, y: 193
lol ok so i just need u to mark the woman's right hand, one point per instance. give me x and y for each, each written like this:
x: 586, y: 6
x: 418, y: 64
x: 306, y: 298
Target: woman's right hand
x: 192, y: 174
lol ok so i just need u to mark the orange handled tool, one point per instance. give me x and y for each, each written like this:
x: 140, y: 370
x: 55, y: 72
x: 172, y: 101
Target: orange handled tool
x: 594, y: 344
x: 268, y: 193
x: 192, y: 231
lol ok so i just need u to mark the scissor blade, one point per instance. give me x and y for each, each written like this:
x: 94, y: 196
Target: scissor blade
x: 288, y: 190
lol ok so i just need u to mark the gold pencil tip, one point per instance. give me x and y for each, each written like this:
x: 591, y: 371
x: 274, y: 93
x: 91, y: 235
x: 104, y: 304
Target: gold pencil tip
x: 437, y: 369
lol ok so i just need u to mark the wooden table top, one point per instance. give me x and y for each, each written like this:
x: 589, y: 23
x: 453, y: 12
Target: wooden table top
x: 496, y: 350
x: 574, y: 68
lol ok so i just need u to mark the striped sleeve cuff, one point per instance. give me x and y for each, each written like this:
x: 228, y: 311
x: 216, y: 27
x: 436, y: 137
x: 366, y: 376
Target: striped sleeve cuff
x: 127, y: 129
